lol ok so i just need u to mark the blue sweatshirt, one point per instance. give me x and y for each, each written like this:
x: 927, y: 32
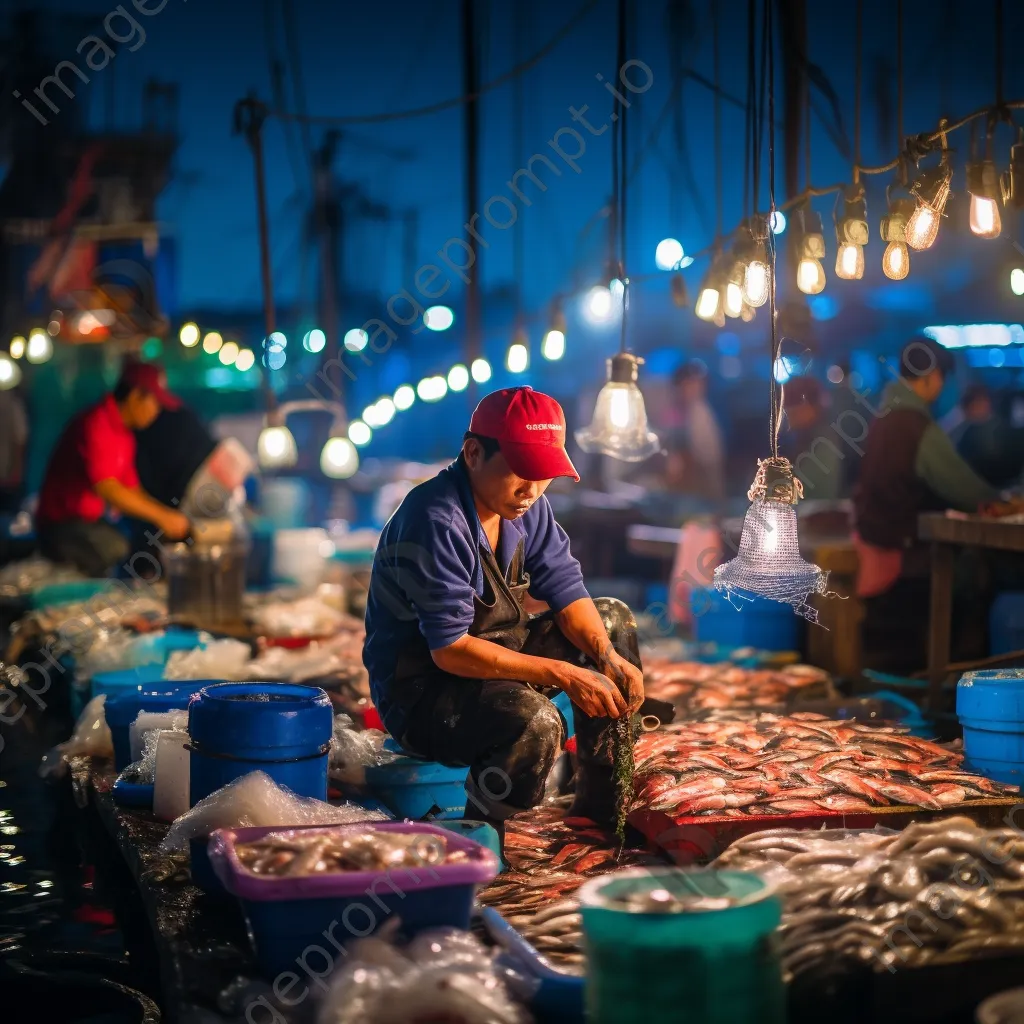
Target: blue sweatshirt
x: 427, y: 569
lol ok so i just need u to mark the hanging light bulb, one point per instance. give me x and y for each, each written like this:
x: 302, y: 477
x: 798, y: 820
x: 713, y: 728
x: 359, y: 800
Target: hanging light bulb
x: 755, y: 275
x: 850, y: 262
x: 711, y: 297
x: 732, y: 298
x: 932, y: 193
x: 733, y: 304
x: 896, y: 261
x: 39, y: 348
x: 10, y: 372
x: 339, y: 458
x: 747, y: 313
x: 708, y: 301
x: 893, y: 229
x: 768, y: 563
x: 619, y: 427
x: 983, y: 185
x: 851, y: 234
x: 810, y: 276
x: 276, y: 446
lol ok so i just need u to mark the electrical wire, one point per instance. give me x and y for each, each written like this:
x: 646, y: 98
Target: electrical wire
x: 718, y: 120
x: 454, y: 101
x: 999, y: 53
x: 777, y: 393
x: 899, y: 75
x: 857, y: 91
x: 619, y: 170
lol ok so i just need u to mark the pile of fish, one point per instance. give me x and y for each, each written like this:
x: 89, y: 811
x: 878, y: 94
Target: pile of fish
x: 543, y: 839
x: 692, y: 686
x: 938, y: 892
x: 544, y: 910
x: 736, y: 764
x: 294, y: 854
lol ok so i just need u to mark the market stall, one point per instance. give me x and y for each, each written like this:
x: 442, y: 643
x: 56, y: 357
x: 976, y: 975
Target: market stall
x: 742, y: 781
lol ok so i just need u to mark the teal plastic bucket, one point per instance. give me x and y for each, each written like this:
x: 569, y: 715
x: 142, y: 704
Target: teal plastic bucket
x: 704, y: 966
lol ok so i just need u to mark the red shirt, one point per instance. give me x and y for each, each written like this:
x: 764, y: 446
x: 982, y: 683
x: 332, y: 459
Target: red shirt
x: 95, y: 446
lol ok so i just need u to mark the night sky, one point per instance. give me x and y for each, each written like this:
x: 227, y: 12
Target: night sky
x: 368, y: 58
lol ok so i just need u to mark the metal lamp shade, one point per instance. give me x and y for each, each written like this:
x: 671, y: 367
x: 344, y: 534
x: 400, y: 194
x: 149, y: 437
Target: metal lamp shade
x: 768, y: 563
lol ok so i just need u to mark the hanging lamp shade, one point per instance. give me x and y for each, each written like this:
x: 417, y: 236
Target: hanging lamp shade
x: 768, y: 563
x: 619, y: 427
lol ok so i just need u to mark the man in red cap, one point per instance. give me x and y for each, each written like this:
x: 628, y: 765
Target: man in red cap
x: 92, y: 469
x: 459, y: 671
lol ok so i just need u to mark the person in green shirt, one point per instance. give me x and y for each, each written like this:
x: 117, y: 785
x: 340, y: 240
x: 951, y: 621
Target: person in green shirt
x: 909, y: 466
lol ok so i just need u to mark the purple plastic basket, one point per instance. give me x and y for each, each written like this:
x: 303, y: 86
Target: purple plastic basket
x: 482, y: 867
x: 288, y: 917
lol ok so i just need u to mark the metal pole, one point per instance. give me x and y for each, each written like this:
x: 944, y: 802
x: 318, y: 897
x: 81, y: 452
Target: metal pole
x: 249, y: 117
x: 471, y: 126
x: 328, y: 215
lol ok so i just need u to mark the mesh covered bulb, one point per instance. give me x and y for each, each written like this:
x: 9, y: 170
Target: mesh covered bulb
x: 768, y: 563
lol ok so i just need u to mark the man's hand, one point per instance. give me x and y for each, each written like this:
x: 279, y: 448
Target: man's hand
x: 591, y: 692
x: 627, y: 677
x: 175, y: 524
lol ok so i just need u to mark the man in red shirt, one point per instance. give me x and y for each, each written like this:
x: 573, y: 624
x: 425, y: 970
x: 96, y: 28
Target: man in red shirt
x: 93, y: 469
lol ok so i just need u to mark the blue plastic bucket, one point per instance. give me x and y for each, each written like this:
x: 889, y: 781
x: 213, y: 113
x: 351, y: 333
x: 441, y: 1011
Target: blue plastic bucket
x: 282, y: 729
x: 123, y: 708
x: 766, y: 625
x: 713, y: 966
x: 311, y: 916
x: 1006, y: 622
x: 990, y: 706
x: 412, y: 788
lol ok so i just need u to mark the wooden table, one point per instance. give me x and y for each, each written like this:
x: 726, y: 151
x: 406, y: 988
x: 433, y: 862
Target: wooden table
x: 946, y: 532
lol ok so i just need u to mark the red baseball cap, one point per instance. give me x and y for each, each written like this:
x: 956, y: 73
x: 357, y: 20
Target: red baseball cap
x: 149, y: 377
x: 530, y: 427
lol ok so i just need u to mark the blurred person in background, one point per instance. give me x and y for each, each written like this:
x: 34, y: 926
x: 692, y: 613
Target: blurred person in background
x: 13, y: 441
x: 92, y: 471
x: 169, y: 452
x: 810, y: 441
x: 986, y: 441
x: 695, y: 461
x: 909, y: 466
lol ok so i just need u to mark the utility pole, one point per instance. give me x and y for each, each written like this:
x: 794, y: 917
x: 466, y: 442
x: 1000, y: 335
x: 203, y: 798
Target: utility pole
x: 328, y: 212
x: 249, y: 117
x: 471, y: 85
